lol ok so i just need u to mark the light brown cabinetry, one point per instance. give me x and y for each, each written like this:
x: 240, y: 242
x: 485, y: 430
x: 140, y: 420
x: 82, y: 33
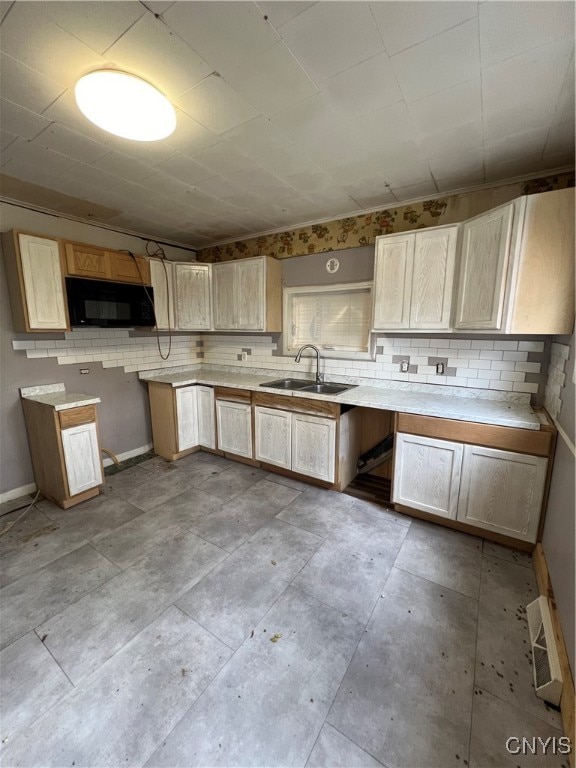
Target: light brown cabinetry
x: 65, y: 451
x: 35, y: 273
x: 483, y: 477
x: 102, y: 264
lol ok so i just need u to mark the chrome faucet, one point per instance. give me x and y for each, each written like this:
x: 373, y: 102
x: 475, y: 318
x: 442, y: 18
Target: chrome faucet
x: 319, y: 376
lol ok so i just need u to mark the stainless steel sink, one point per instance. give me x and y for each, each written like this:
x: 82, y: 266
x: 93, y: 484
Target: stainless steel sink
x: 327, y: 389
x: 287, y: 383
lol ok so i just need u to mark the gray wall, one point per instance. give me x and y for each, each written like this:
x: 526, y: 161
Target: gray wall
x: 356, y: 266
x: 559, y: 529
x: 123, y: 414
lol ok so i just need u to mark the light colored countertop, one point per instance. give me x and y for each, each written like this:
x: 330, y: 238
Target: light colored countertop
x: 55, y: 396
x: 496, y: 412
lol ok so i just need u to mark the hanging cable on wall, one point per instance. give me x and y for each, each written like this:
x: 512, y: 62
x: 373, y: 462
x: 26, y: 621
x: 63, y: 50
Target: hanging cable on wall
x: 159, y: 255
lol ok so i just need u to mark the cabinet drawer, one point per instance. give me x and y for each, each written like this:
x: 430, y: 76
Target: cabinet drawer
x: 298, y: 404
x: 74, y: 416
x: 233, y: 395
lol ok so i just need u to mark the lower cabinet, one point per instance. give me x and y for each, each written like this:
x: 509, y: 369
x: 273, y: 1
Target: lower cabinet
x: 82, y: 458
x: 187, y: 417
x: 183, y: 418
x: 427, y: 474
x: 206, y: 417
x: 497, y: 490
x: 299, y: 442
x: 502, y: 491
x: 234, y: 427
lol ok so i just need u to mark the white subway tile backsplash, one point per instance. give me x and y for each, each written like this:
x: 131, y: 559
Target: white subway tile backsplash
x: 528, y: 367
x: 460, y: 343
x: 482, y: 364
x: 487, y: 354
x: 482, y: 344
x: 531, y: 346
x: 517, y: 356
x: 521, y: 386
x: 508, y: 346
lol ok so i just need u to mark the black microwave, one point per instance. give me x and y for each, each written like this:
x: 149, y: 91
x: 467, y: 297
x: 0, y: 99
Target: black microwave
x: 109, y: 305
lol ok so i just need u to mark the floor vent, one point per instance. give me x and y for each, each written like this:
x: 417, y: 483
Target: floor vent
x: 547, y: 674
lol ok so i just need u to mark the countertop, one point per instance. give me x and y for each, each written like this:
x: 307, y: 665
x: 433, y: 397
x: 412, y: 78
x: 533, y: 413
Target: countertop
x: 55, y: 396
x: 496, y: 412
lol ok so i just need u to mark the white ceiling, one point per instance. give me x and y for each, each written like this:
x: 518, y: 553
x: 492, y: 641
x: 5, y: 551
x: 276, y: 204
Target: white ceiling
x: 288, y: 112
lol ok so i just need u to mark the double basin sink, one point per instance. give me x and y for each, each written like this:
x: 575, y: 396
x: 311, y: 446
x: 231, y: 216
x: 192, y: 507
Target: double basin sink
x: 306, y: 385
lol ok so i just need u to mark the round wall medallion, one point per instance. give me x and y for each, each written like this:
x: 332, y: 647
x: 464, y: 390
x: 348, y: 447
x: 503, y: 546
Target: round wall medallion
x: 332, y: 265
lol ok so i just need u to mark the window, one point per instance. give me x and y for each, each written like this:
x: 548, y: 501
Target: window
x: 335, y: 318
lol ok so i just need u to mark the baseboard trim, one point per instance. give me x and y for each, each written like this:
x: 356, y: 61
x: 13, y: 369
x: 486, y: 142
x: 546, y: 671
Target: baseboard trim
x: 567, y: 700
x: 16, y: 492
x: 128, y: 454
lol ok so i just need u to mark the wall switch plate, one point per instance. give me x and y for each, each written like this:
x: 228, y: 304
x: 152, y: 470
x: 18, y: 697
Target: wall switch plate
x: 439, y: 367
x: 404, y: 365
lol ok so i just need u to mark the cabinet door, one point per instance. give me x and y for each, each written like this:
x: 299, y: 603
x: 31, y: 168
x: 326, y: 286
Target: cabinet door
x: 314, y: 446
x: 82, y: 458
x: 427, y: 474
x: 483, y: 269
x: 502, y: 491
x: 273, y: 430
x: 392, y: 281
x: 234, y: 427
x: 433, y: 278
x: 206, y: 417
x: 250, y: 294
x: 125, y: 269
x: 186, y: 417
x: 224, y: 294
x: 43, y: 283
x: 87, y: 261
x: 162, y: 277
x: 193, y: 297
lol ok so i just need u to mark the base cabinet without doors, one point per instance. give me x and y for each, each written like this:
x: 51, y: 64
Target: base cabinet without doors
x: 65, y: 451
x: 484, y: 486
x: 183, y: 418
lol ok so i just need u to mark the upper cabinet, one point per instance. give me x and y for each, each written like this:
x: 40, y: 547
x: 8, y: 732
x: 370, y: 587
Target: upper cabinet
x: 247, y: 295
x: 192, y: 283
x: 101, y: 264
x: 35, y: 274
x: 181, y: 295
x: 517, y: 267
x: 413, y: 279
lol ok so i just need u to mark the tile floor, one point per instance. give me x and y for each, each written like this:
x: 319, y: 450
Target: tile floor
x: 205, y: 613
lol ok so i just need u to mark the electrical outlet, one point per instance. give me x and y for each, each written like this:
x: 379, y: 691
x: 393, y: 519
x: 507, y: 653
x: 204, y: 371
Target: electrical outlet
x: 244, y: 356
x: 404, y: 365
x: 84, y: 370
x: 439, y: 367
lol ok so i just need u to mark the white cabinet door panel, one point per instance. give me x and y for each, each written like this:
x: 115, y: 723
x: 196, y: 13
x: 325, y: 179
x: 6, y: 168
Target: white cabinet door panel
x: 250, y: 297
x: 433, y: 278
x: 82, y: 458
x: 392, y: 281
x: 206, y: 417
x: 193, y: 297
x: 273, y: 436
x: 427, y: 474
x: 314, y: 446
x: 502, y: 491
x: 162, y: 279
x: 186, y: 417
x: 234, y: 427
x: 42, y: 275
x: 224, y: 291
x: 483, y: 269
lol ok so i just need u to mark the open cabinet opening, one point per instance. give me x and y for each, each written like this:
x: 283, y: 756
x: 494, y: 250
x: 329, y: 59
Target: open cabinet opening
x: 375, y: 451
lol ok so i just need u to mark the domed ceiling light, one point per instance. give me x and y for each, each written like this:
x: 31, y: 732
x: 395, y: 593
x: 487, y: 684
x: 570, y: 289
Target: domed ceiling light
x: 125, y: 105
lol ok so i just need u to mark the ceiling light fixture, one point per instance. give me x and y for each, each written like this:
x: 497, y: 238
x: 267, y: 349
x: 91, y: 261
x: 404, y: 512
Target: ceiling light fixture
x: 125, y: 105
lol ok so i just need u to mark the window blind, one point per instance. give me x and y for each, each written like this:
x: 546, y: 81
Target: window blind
x: 331, y: 319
